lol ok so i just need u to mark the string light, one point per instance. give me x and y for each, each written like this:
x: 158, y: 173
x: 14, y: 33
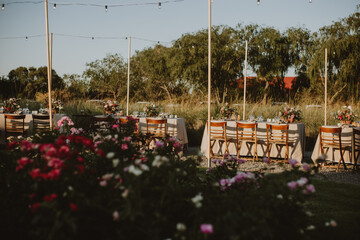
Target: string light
x: 310, y: 1
x: 258, y: 2
x: 26, y: 38
x: 54, y: 6
x: 106, y: 8
x: 159, y: 5
x: 3, y: 7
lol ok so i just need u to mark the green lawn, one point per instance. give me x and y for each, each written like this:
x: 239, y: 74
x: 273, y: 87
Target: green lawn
x: 337, y: 201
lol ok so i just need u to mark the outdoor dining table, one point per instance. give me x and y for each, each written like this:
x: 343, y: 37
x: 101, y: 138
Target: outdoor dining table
x: 27, y: 122
x: 175, y: 127
x: 296, y: 134
x: 346, y: 139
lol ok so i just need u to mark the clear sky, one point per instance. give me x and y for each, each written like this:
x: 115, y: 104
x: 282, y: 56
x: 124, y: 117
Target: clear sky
x: 70, y: 54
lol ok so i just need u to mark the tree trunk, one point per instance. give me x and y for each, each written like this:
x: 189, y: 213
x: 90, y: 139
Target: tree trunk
x: 264, y: 100
x: 167, y: 91
x: 336, y: 93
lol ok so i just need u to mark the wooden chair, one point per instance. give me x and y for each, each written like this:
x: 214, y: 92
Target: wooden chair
x: 356, y: 147
x: 41, y: 122
x: 101, y: 123
x: 247, y: 133
x: 155, y: 129
x: 218, y: 134
x: 330, y: 137
x: 278, y: 135
x: 124, y: 121
x: 14, y: 125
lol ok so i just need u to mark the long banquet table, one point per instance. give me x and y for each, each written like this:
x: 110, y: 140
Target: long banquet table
x: 296, y: 134
x: 28, y: 124
x: 175, y: 127
x: 346, y: 139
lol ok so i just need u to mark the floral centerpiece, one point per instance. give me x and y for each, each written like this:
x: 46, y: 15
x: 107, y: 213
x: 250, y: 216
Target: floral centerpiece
x: 290, y: 114
x: 11, y: 105
x: 151, y: 110
x: 111, y: 107
x: 226, y: 111
x: 345, y: 115
x: 56, y: 106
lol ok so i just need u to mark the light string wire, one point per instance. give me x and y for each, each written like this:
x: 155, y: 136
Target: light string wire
x: 95, y: 5
x: 84, y: 37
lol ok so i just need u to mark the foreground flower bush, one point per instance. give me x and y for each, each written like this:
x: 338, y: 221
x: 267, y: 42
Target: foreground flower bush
x: 74, y: 187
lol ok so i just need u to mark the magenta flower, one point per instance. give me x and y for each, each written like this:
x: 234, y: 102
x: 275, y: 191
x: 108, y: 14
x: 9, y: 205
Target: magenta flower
x: 306, y: 167
x: 292, y: 185
x: 310, y: 188
x: 266, y: 160
x: 206, y: 228
x: 293, y: 162
x: 124, y: 146
x: 159, y: 144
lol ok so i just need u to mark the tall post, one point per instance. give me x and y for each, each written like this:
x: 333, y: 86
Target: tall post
x: 51, y: 56
x: 48, y: 62
x: 128, y: 79
x: 209, y: 84
x: 325, y: 84
x: 245, y: 75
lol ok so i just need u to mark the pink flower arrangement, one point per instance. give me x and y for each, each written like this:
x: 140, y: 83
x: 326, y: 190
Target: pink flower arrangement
x: 65, y: 121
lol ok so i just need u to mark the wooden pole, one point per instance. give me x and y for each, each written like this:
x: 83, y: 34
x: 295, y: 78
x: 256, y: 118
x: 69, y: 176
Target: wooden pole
x: 325, y: 84
x: 48, y: 62
x: 245, y: 75
x: 209, y: 84
x: 128, y: 79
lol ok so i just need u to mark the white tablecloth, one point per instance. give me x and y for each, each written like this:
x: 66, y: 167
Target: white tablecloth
x: 28, y: 124
x: 346, y: 138
x: 296, y: 134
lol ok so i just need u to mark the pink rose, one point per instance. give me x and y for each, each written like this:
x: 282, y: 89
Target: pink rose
x: 206, y: 228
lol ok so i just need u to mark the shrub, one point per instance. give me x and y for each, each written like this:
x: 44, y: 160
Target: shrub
x: 74, y: 187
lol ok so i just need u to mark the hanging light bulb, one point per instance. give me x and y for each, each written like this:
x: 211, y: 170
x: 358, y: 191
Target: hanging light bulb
x: 92, y: 38
x: 26, y: 38
x: 159, y: 5
x: 106, y: 8
x: 258, y: 2
x: 3, y: 7
x: 310, y: 1
x: 54, y: 6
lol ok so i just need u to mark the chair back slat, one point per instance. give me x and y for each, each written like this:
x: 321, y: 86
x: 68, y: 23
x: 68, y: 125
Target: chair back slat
x: 14, y: 124
x: 156, y: 127
x: 218, y: 130
x: 41, y: 122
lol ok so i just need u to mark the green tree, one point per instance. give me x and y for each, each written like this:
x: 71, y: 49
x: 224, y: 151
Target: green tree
x: 107, y: 77
x: 76, y: 86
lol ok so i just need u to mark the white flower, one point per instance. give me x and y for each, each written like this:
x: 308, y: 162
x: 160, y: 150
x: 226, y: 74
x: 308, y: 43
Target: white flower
x: 279, y: 196
x: 110, y: 155
x: 180, y: 227
x: 310, y: 227
x: 144, y: 167
x: 115, y: 162
x: 159, y: 160
x: 125, y: 193
x: 302, y: 181
x: 197, y: 200
x: 132, y: 169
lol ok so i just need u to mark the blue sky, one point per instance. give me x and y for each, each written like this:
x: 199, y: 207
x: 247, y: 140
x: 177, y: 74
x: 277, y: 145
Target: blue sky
x: 70, y: 54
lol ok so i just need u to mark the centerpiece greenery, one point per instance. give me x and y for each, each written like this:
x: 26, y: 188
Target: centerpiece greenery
x: 111, y: 107
x: 290, y: 114
x: 345, y: 115
x: 226, y: 111
x: 56, y: 106
x: 11, y: 105
x: 151, y: 110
